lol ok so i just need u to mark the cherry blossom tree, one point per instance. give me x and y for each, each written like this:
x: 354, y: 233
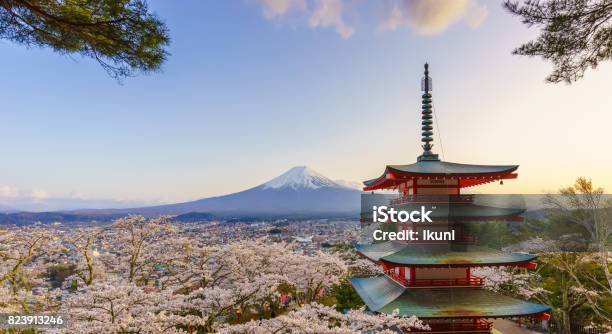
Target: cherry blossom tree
x: 136, y: 237
x: 205, y: 266
x: 82, y: 242
x: 320, y: 319
x: 21, y: 266
x: 214, y: 304
x: 511, y: 280
x: 120, y: 307
x: 586, y: 205
x: 311, y: 273
x: 572, y: 286
x: 220, y: 281
x: 578, y: 285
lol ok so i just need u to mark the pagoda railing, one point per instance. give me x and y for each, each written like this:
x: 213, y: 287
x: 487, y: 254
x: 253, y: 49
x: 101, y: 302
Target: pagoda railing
x: 472, y: 281
x: 478, y: 325
x: 432, y: 199
x: 400, y: 279
x: 423, y: 283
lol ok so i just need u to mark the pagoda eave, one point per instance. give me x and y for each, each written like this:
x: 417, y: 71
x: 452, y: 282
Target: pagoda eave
x: 392, y: 179
x: 527, y: 264
x: 522, y: 264
x: 396, y: 254
x: 384, y: 295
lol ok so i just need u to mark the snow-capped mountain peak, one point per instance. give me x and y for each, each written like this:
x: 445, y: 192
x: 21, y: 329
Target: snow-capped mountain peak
x: 300, y: 177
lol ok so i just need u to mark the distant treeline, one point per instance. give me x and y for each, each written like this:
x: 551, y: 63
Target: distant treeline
x: 27, y: 218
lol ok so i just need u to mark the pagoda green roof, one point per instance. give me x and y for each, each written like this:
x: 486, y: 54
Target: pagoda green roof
x: 443, y: 168
x: 439, y: 255
x: 384, y: 295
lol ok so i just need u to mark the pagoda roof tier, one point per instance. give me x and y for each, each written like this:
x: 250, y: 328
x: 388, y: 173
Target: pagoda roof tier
x: 384, y: 295
x: 440, y: 255
x: 468, y: 175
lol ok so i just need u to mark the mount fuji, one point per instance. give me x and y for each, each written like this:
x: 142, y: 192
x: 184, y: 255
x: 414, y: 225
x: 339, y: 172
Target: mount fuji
x: 299, y: 191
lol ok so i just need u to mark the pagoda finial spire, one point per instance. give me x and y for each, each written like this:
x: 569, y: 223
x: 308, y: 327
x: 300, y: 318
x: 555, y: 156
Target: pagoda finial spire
x: 426, y: 118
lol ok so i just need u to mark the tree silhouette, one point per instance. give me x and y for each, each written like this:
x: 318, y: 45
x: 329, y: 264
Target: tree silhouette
x: 122, y: 35
x: 575, y: 34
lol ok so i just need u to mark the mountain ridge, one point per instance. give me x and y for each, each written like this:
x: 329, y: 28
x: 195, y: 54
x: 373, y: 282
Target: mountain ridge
x: 300, y: 190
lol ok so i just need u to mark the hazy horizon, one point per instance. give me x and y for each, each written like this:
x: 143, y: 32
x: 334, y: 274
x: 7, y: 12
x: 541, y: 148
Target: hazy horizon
x: 47, y: 204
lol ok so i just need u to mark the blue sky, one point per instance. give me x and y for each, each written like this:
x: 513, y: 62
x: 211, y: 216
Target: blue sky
x: 250, y: 91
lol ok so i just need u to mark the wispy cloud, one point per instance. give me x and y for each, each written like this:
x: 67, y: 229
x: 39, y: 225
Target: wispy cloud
x: 431, y: 16
x: 17, y: 199
x: 10, y: 192
x: 476, y: 14
x: 318, y: 13
x: 274, y: 8
x: 328, y: 13
x: 426, y: 17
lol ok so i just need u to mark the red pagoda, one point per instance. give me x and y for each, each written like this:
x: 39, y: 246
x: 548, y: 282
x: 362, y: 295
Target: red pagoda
x: 433, y: 279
